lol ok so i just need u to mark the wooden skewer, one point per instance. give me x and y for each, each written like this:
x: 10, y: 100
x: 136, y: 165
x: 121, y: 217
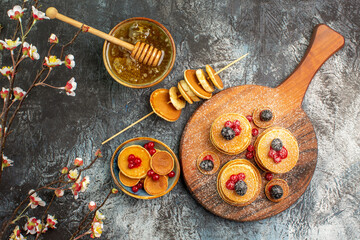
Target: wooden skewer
x: 131, y: 125
x: 141, y: 52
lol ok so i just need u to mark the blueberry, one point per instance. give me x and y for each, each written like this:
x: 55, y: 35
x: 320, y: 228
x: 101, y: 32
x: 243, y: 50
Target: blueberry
x: 276, y: 144
x: 266, y: 115
x: 240, y: 187
x: 276, y: 192
x: 207, y: 165
x: 228, y: 133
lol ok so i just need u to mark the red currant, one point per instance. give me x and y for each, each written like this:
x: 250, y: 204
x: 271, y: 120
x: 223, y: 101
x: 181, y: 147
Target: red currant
x: 249, y: 155
x: 241, y: 176
x: 131, y: 157
x: 171, y: 174
x: 236, y: 124
x: 283, y: 153
x: 249, y: 118
x: 155, y: 177
x: 272, y: 153
x: 140, y: 185
x: 229, y: 124
x: 251, y: 148
x: 277, y: 158
x: 131, y: 161
x: 234, y: 178
x: 131, y: 165
x: 269, y: 176
x: 150, y: 173
x: 230, y: 185
x: 135, y: 189
x: 152, y: 151
x: 237, y: 131
x: 137, y: 161
x: 151, y: 145
x: 146, y: 146
x: 255, y: 132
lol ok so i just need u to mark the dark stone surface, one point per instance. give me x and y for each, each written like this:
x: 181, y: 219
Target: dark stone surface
x: 53, y: 128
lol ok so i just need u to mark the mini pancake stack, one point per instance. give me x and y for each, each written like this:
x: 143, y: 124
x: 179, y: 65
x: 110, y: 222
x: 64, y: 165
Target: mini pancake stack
x: 236, y: 145
x: 262, y: 147
x: 161, y: 163
x: 167, y: 104
x: 252, y: 180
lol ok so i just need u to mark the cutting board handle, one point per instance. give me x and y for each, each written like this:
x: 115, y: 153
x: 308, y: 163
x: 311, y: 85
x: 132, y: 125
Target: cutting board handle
x: 324, y: 43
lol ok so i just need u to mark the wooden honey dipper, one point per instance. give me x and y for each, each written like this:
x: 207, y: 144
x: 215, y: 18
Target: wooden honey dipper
x: 141, y: 52
x: 159, y: 99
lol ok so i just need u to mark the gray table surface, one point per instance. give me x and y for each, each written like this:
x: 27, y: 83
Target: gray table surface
x: 53, y: 127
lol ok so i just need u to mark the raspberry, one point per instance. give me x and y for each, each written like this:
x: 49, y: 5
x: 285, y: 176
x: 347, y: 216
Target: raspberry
x: 277, y: 159
x: 229, y: 124
x: 254, y: 132
x: 249, y: 155
x: 236, y: 124
x: 234, y: 178
x: 237, y: 131
x: 241, y: 176
x: 269, y: 176
x: 283, y: 153
x: 272, y: 153
x: 249, y: 118
x: 250, y: 148
x: 230, y: 185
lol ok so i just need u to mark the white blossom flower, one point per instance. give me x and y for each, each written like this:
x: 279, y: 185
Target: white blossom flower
x: 69, y: 61
x: 99, y: 216
x: 92, y: 206
x: 38, y: 15
x: 51, y: 221
x: 16, y: 235
x: 78, y: 162
x: 30, y: 51
x: 10, y: 44
x: 53, y: 39
x: 16, y: 12
x: 73, y: 174
x: 6, y: 71
x: 70, y: 87
x: 35, y: 200
x: 31, y: 225
x: 52, y: 61
x: 4, y: 92
x: 59, y: 192
x: 6, y: 162
x: 96, y: 229
x: 19, y: 93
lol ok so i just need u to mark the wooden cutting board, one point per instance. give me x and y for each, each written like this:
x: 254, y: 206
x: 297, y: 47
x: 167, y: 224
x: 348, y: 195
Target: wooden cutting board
x: 285, y: 100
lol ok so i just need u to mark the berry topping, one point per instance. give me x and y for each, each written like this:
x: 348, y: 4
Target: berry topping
x: 135, y: 188
x: 171, y: 174
x: 140, y: 185
x: 251, y: 148
x: 277, y: 158
x: 229, y: 124
x: 272, y: 153
x: 234, y: 178
x: 228, y: 133
x: 155, y: 176
x: 241, y: 176
x: 236, y: 124
x: 254, y: 132
x: 131, y: 157
x: 266, y: 115
x: 137, y: 161
x: 249, y: 118
x: 151, y: 145
x: 208, y: 157
x: 283, y: 153
x: 146, y: 146
x: 237, y: 131
x: 276, y: 192
x: 207, y: 165
x: 249, y: 155
x: 150, y: 173
x: 269, y: 176
x: 230, y: 185
x: 152, y: 151
x: 131, y: 165
x: 241, y: 188
x: 276, y: 144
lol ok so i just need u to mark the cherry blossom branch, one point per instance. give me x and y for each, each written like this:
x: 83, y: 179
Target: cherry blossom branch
x: 81, y: 227
x: 69, y: 43
x: 44, y: 215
